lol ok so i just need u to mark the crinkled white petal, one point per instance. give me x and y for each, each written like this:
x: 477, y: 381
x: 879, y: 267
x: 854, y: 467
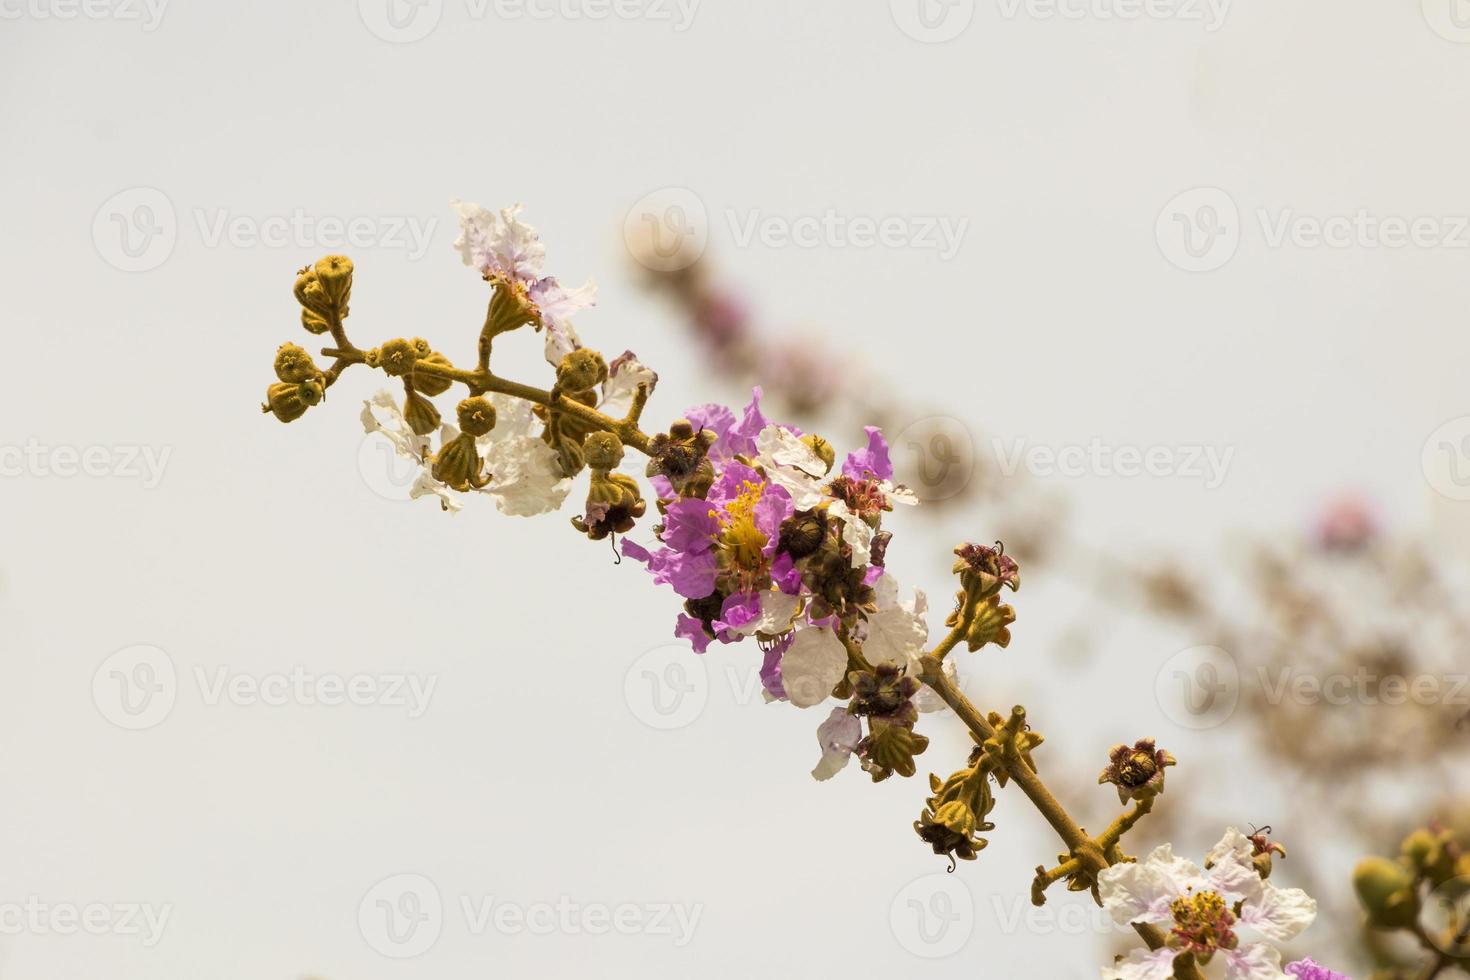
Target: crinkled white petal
x: 381, y: 414
x: 898, y: 631
x: 1234, y: 846
x: 556, y: 304
x: 499, y: 244
x: 782, y: 447
x: 1254, y: 962
x: 777, y: 611
x: 526, y: 477
x: 856, y: 532
x: 1143, y: 892
x: 624, y: 375
x: 812, y: 666
x: 838, y: 736
x: 1143, y: 964
x: 1280, y: 914
x: 790, y: 464
x: 1232, y: 873
x: 900, y: 495
x: 426, y: 486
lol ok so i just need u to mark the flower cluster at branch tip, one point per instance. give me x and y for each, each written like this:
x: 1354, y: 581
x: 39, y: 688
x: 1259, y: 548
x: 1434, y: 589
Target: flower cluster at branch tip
x: 764, y: 535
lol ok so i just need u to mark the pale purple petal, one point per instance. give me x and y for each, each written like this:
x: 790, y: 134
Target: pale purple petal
x: 692, y: 630
x: 738, y: 610
x: 872, y: 462
x: 785, y: 574
x: 740, y: 439
x: 689, y: 526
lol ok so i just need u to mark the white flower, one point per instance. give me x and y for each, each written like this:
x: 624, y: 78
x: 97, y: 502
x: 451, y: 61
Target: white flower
x: 812, y: 666
x: 791, y: 464
x: 838, y: 736
x: 499, y: 244
x: 777, y: 611
x: 502, y: 246
x: 526, y: 475
x: 898, y: 631
x: 624, y: 375
x: 856, y: 533
x: 382, y: 415
x: 1198, y: 908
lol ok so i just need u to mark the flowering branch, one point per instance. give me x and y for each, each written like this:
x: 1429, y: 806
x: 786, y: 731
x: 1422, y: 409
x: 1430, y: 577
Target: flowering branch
x: 763, y: 535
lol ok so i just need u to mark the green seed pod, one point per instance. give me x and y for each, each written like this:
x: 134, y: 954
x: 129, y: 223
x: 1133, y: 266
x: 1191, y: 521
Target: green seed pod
x: 428, y: 383
x: 1386, y: 890
x: 581, y: 370
x: 334, y: 272
x: 602, y: 450
x: 420, y: 413
x: 476, y: 416
x: 294, y: 364
x: 397, y: 357
x: 288, y: 401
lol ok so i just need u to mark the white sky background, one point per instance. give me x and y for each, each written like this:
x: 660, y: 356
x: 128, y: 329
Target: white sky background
x: 1060, y: 319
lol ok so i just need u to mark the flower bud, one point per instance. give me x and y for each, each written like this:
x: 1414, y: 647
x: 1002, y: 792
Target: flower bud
x: 602, y: 450
x: 429, y: 384
x: 288, y: 400
x: 1386, y: 890
x: 397, y: 357
x: 476, y: 416
x: 581, y: 370
x: 312, y: 295
x: 420, y: 413
x: 294, y: 364
x: 313, y: 323
x: 458, y: 464
x: 334, y: 272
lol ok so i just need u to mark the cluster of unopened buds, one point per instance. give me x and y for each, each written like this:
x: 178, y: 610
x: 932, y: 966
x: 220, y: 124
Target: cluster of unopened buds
x: 764, y: 533
x: 1423, y: 897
